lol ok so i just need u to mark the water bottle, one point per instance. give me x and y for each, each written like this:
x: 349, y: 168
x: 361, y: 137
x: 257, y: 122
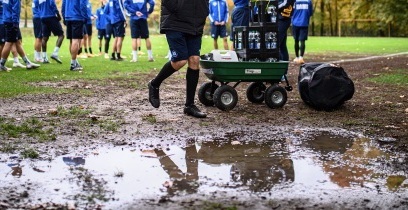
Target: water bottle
x: 274, y: 41
x: 239, y: 43
x: 272, y: 14
x: 257, y: 40
x: 268, y: 40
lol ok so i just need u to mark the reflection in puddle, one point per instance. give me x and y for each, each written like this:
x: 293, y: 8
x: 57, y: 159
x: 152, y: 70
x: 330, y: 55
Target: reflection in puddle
x: 281, y: 169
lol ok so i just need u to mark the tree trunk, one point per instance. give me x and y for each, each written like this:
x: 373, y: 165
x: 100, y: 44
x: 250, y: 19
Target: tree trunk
x: 322, y: 17
x: 330, y: 19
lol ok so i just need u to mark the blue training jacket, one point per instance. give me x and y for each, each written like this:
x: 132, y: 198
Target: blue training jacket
x: 133, y: 6
x: 218, y: 11
x: 36, y: 9
x: 1, y: 12
x: 115, y: 11
x: 48, y: 8
x: 11, y: 11
x: 241, y: 3
x: 302, y: 10
x: 101, y: 20
x: 74, y: 10
x: 89, y: 13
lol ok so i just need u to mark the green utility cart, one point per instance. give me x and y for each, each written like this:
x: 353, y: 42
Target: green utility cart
x: 226, y: 72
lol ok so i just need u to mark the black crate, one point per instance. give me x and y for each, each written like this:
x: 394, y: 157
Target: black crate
x: 258, y: 55
x: 264, y: 13
x: 256, y: 42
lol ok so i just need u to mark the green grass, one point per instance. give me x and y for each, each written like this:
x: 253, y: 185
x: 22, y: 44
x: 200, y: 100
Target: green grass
x: 102, y: 71
x: 398, y: 78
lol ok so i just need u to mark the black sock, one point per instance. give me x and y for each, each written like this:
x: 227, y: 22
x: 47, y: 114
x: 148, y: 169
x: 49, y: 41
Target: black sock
x: 139, y: 48
x: 100, y: 49
x: 80, y: 51
x: 118, y: 55
x: 166, y: 71
x: 113, y: 55
x: 107, y: 47
x: 192, y: 81
x: 86, y: 50
x: 90, y: 50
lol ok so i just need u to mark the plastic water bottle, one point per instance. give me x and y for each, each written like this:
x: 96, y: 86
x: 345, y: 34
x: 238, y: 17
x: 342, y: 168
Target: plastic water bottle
x: 272, y: 14
x: 274, y: 41
x: 239, y: 43
x: 251, y: 40
x: 268, y: 40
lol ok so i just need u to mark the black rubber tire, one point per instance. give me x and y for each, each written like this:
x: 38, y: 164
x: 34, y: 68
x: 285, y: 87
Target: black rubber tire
x: 204, y: 94
x: 256, y: 92
x: 225, y: 97
x: 275, y: 96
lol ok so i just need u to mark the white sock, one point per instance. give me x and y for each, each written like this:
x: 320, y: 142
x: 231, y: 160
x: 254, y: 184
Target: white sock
x: 44, y: 55
x: 16, y: 60
x: 56, y: 50
x: 134, y: 54
x: 149, y: 53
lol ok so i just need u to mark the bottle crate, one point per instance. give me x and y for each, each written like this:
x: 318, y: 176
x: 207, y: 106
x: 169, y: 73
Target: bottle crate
x: 263, y: 13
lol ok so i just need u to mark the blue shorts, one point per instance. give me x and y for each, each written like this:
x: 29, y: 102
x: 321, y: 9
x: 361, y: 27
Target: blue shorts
x: 2, y: 34
x: 101, y: 33
x: 183, y: 45
x: 12, y: 34
x: 139, y: 29
x: 37, y: 28
x: 239, y: 17
x: 119, y: 29
x: 51, y: 24
x: 75, y: 29
x: 109, y: 31
x: 300, y: 33
x: 218, y: 31
x: 88, y: 29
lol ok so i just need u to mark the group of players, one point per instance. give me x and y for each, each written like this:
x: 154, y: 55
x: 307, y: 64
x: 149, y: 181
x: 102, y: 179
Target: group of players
x: 76, y: 15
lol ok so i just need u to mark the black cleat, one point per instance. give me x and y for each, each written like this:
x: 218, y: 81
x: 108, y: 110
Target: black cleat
x: 194, y: 111
x: 56, y: 58
x: 154, y: 97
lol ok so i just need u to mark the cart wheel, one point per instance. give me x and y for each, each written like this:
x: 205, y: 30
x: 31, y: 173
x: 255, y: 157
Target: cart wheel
x: 255, y: 92
x: 205, y: 95
x: 275, y: 96
x: 225, y: 97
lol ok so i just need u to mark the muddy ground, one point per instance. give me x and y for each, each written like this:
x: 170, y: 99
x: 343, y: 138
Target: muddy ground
x: 118, y: 112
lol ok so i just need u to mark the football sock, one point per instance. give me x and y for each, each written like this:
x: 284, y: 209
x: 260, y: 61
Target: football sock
x: 192, y: 81
x: 164, y: 73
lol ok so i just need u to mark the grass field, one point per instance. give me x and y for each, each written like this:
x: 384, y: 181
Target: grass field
x: 97, y: 68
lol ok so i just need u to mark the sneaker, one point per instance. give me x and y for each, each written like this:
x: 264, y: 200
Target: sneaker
x: 154, y: 97
x: 3, y: 68
x: 133, y: 60
x: 151, y: 60
x: 82, y: 56
x: 113, y: 59
x: 39, y: 60
x: 76, y: 67
x: 194, y: 111
x: 45, y: 61
x: 119, y: 59
x: 140, y: 53
x: 106, y: 56
x: 56, y: 58
x: 296, y: 60
x: 32, y: 66
x: 19, y: 65
x: 122, y: 56
x: 90, y: 55
x: 301, y: 61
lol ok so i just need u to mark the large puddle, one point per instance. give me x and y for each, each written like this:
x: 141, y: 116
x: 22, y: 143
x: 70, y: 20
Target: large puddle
x: 322, y: 167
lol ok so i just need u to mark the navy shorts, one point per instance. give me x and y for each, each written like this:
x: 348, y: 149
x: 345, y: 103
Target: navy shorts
x: 119, y: 29
x: 239, y: 17
x: 183, y: 45
x: 13, y: 34
x: 109, y: 31
x: 139, y: 29
x: 2, y: 34
x: 75, y: 29
x: 37, y: 28
x: 51, y: 24
x: 300, y: 33
x: 218, y: 31
x: 101, y: 33
x: 88, y: 29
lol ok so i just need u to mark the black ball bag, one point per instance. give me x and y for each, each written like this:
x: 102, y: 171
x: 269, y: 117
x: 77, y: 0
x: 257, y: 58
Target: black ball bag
x: 324, y: 86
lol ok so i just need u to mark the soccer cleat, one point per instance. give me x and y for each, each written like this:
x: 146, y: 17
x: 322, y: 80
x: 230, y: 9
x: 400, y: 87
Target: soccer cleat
x: 82, y: 56
x: 32, y: 66
x: 296, y: 60
x: 154, y: 97
x: 106, y: 56
x: 3, y: 68
x: 76, y: 67
x: 301, y: 61
x: 45, y: 61
x: 133, y: 60
x: 151, y: 60
x: 39, y: 60
x: 18, y: 64
x: 119, y: 59
x: 56, y: 58
x: 194, y: 111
